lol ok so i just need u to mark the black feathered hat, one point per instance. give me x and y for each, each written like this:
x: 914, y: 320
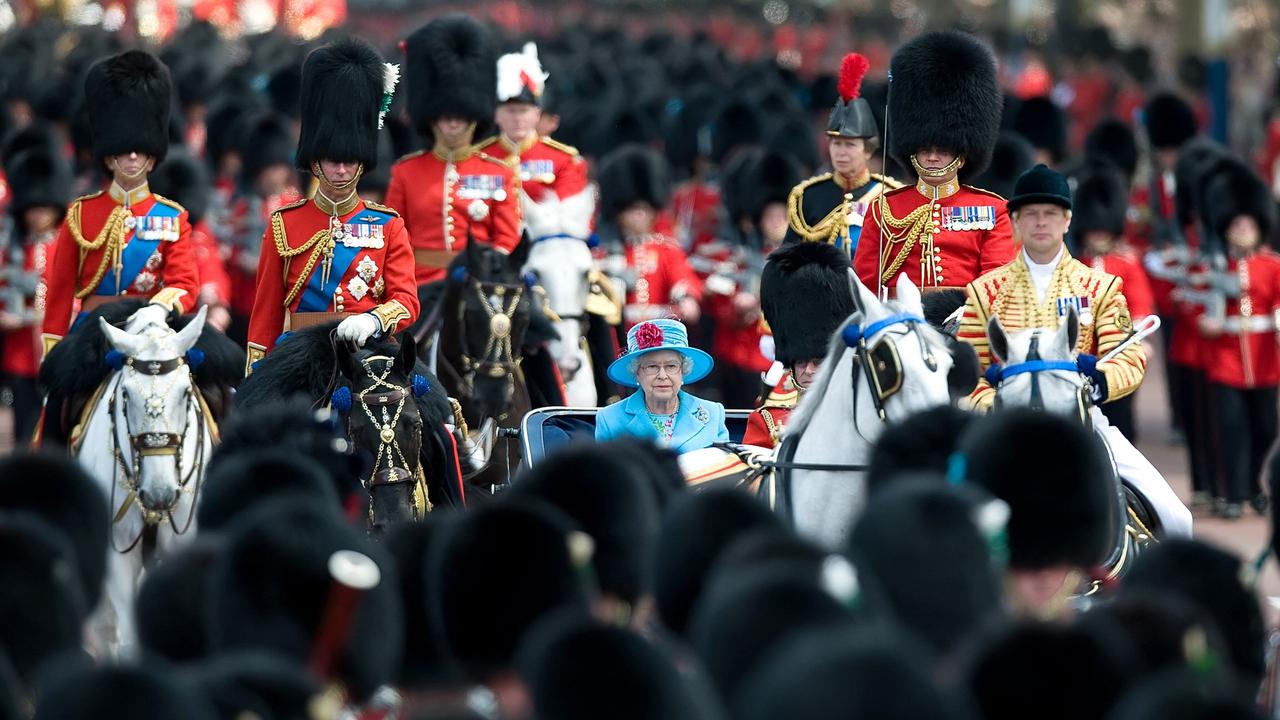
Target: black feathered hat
x: 343, y: 89
x: 451, y: 68
x: 852, y: 116
x: 38, y: 179
x: 632, y: 174
x: 127, y: 99
x: 1068, y: 511
x: 1169, y: 120
x: 76, y: 690
x: 184, y: 180
x: 1044, y: 125
x: 1101, y: 201
x: 265, y: 139
x: 1234, y: 189
x: 805, y: 297
x: 944, y: 94
x: 1012, y: 156
x: 1115, y: 141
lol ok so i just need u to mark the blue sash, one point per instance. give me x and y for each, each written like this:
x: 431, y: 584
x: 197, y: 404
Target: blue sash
x: 364, y: 230
x: 855, y: 231
x: 162, y: 223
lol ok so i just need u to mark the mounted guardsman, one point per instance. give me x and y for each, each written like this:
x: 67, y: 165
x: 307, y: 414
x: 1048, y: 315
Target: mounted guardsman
x: 830, y: 207
x: 336, y: 256
x: 944, y: 115
x: 123, y: 241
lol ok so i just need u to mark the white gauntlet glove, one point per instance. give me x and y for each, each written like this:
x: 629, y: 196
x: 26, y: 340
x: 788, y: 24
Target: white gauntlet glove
x: 359, y: 328
x: 148, y: 315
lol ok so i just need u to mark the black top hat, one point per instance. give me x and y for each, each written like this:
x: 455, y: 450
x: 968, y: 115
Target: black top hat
x: 851, y: 117
x: 1040, y: 185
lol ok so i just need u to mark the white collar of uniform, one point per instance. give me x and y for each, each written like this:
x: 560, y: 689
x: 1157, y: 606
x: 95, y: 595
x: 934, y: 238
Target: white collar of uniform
x: 1041, y: 273
x: 129, y: 198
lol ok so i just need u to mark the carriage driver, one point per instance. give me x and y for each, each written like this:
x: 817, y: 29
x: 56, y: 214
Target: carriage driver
x: 336, y: 256
x: 1037, y: 290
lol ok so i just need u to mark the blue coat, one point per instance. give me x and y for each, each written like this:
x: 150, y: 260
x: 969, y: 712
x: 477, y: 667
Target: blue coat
x: 698, y: 422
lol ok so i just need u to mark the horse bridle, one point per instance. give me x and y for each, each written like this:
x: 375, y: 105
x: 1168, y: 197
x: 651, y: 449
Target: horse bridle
x: 152, y: 444
x: 1036, y: 366
x: 383, y: 396
x: 497, y: 359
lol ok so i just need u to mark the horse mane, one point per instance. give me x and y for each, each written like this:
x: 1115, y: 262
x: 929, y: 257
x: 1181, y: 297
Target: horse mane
x: 302, y: 365
x: 77, y: 366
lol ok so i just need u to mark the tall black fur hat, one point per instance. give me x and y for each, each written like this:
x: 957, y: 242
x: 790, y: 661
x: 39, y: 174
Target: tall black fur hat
x: 1185, y: 695
x: 255, y: 684
x: 769, y: 179
x: 1012, y: 156
x: 265, y: 140
x: 632, y: 174
x: 172, y: 606
x: 1065, y: 513
x: 919, y: 443
x: 1101, y: 201
x: 1115, y: 141
x: 425, y: 662
x: 1197, y: 159
x: 342, y: 93
x: 1044, y: 125
x: 805, y: 297
x: 128, y: 98
x: 76, y: 690
x: 270, y: 591
x: 944, y: 94
x: 184, y: 180
x: 1235, y: 189
x: 38, y: 179
x: 1169, y: 120
x: 251, y: 476
x: 451, y: 65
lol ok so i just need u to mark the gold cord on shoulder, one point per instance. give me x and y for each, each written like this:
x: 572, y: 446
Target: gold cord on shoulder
x: 316, y: 245
x: 110, y: 240
x: 900, y: 231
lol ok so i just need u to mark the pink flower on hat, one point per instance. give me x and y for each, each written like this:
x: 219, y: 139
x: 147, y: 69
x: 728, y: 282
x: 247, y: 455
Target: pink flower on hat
x: 648, y: 336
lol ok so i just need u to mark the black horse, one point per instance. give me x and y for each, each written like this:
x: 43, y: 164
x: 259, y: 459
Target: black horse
x: 395, y: 412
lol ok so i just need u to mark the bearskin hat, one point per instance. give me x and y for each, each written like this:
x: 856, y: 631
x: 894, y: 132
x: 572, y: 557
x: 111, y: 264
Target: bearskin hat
x: 184, y: 180
x: 1065, y: 513
x: 1012, y: 156
x: 738, y: 124
x: 1113, y: 140
x: 265, y: 139
x: 255, y: 684
x: 944, y: 94
x: 38, y: 179
x: 1186, y: 695
x: 409, y: 544
x: 172, y: 606
x: 76, y: 690
x: 1169, y: 120
x: 128, y: 98
x: 1044, y: 125
x: 251, y: 476
x: 805, y: 297
x: 451, y: 68
x: 921, y: 443
x: 852, y: 117
x: 343, y: 84
x: 1234, y: 189
x: 632, y: 174
x: 769, y: 179
x: 1197, y: 160
x: 1101, y: 201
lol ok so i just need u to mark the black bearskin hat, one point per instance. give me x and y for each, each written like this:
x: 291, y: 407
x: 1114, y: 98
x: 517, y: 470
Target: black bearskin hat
x: 1113, y: 140
x: 1234, y: 189
x: 127, y: 98
x: 1101, y: 201
x: 805, y: 297
x: 769, y: 179
x: 184, y: 180
x: 172, y: 606
x: 920, y: 444
x: 38, y: 178
x: 944, y: 94
x: 632, y: 174
x: 737, y: 125
x: 75, y: 690
x: 258, y: 685
x: 342, y: 92
x: 1170, y: 121
x: 452, y: 69
x: 1044, y: 125
x: 1068, y: 511
x: 1198, y: 159
x: 1012, y: 156
x: 265, y: 139
x: 409, y: 544
x: 251, y: 476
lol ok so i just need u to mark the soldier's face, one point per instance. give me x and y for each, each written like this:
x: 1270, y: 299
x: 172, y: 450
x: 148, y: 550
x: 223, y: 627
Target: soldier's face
x: 130, y: 165
x: 517, y: 120
x: 1243, y: 234
x: 337, y: 173
x: 41, y: 219
x: 934, y: 158
x: 1040, y: 227
x: 636, y: 220
x: 849, y: 156
x: 453, y: 131
x: 805, y: 371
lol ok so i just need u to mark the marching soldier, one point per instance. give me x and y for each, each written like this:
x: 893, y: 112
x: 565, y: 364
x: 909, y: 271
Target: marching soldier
x: 555, y: 197
x: 804, y: 294
x: 124, y: 241
x: 939, y: 232
x: 831, y: 207
x: 1037, y: 290
x: 453, y: 191
x: 335, y: 255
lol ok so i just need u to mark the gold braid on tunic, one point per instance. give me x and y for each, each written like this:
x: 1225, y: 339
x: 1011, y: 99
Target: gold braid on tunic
x: 317, y: 245
x: 906, y: 231
x: 110, y: 239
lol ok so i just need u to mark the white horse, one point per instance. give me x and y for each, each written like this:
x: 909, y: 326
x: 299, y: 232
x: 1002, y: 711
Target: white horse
x: 1039, y: 371
x: 885, y: 363
x: 562, y: 266
x: 146, y: 438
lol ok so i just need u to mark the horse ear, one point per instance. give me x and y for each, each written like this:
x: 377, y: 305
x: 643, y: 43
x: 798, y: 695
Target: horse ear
x: 408, y: 355
x: 1070, y: 328
x: 863, y: 299
x: 127, y: 343
x: 908, y: 293
x: 188, y: 336
x: 520, y: 255
x: 997, y: 339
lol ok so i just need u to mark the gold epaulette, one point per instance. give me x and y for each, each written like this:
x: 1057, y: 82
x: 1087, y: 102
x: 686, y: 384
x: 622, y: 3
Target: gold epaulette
x: 381, y: 208
x: 90, y: 196
x: 166, y: 201
x: 497, y: 161
x: 822, y: 232
x: 486, y: 143
x: 295, y: 204
x: 984, y: 192
x: 557, y: 145
x: 785, y: 400
x: 410, y: 156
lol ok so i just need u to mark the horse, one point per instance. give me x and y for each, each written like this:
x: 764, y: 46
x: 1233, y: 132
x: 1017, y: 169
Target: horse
x: 394, y: 410
x: 562, y: 266
x: 1038, y: 370
x: 884, y: 364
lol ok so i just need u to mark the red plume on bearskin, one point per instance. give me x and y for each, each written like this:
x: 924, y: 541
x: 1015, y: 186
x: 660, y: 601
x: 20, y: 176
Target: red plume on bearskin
x: 852, y: 69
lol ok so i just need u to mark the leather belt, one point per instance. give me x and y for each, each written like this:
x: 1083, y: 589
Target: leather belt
x: 893, y: 291
x: 434, y: 258
x: 93, y: 302
x: 300, y: 321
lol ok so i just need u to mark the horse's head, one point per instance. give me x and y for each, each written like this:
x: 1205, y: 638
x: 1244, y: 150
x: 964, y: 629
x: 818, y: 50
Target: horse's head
x: 562, y: 267
x: 906, y: 362
x: 494, y: 312
x: 151, y: 407
x: 382, y: 419
x: 1038, y: 368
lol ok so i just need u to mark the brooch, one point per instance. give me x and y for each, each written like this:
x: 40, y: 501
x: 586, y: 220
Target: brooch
x: 701, y: 415
x: 367, y: 269
x: 357, y: 288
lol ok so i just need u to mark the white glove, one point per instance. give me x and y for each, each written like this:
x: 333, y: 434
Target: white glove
x: 147, y: 316
x: 359, y: 328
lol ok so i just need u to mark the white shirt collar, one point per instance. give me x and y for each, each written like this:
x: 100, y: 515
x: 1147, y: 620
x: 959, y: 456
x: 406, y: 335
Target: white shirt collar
x: 1041, y: 273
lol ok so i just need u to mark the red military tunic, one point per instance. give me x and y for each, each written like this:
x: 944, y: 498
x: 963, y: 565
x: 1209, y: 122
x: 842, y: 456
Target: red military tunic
x: 371, y: 270
x: 444, y: 198
x: 114, y: 244
x: 21, y: 355
x: 946, y: 242
x: 1137, y: 289
x: 250, y: 219
x: 215, y: 283
x: 557, y: 201
x: 765, y: 425
x: 696, y: 206
x: 659, y: 277
x: 1247, y: 352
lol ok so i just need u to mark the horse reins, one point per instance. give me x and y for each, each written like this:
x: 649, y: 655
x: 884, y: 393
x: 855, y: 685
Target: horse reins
x: 388, y: 445
x: 498, y: 358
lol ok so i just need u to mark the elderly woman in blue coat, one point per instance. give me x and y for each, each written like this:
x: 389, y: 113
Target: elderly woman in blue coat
x: 659, y: 362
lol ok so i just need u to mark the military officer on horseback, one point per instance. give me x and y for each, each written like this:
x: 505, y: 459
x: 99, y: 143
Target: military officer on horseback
x: 335, y: 255
x: 123, y: 241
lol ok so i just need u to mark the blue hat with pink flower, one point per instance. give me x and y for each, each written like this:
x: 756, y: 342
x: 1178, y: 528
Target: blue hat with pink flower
x: 651, y: 336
